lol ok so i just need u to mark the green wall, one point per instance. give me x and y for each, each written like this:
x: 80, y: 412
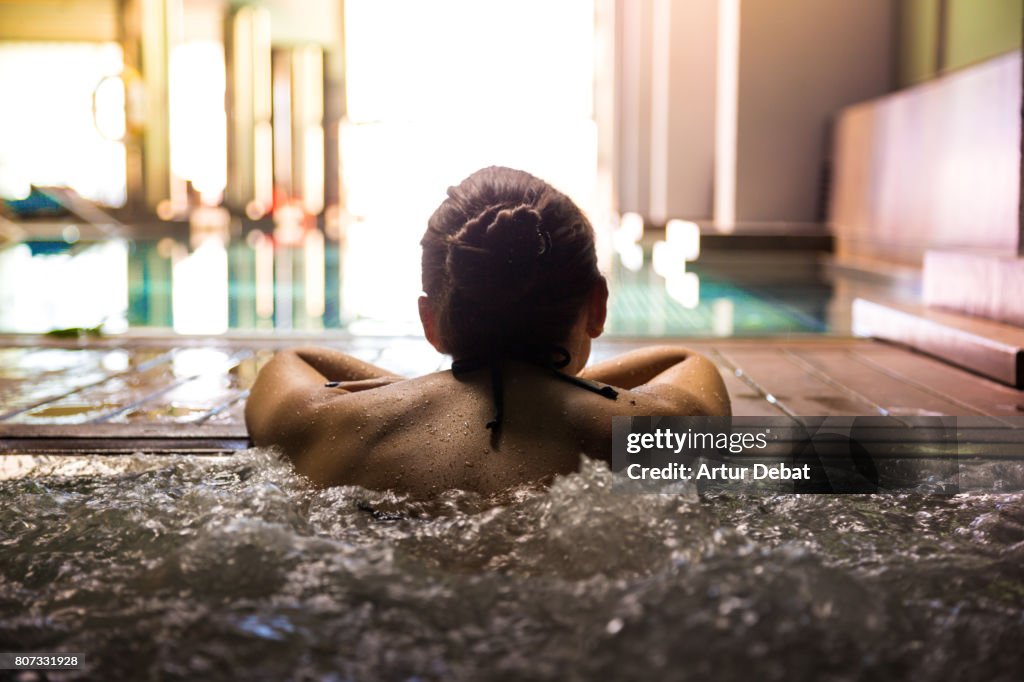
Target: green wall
x: 979, y: 29
x: 918, y: 31
x: 971, y: 31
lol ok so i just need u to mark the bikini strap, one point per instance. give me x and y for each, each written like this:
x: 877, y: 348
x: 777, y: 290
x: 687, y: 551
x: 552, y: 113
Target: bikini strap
x: 603, y: 391
x: 540, y: 359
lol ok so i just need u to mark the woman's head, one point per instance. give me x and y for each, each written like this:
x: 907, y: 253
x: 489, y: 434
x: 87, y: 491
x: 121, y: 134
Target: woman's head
x: 508, y: 262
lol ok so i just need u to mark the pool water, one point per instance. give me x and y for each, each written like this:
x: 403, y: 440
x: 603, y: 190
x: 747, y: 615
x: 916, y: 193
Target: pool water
x: 232, y: 568
x: 254, y: 284
x: 729, y: 295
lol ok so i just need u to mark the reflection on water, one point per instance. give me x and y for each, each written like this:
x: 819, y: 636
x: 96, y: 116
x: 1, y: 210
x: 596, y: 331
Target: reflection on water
x: 231, y: 568
x: 46, y: 285
x: 311, y: 283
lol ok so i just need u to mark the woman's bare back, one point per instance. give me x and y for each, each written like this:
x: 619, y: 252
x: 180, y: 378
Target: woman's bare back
x: 429, y: 434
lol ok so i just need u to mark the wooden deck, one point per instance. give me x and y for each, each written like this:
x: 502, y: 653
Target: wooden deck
x: 153, y: 394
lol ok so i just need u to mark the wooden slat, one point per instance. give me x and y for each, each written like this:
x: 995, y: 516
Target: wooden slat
x: 796, y: 390
x: 27, y: 374
x: 748, y: 399
x: 112, y: 431
x: 193, y: 394
x: 973, y: 392
x: 895, y: 396
x: 61, y: 385
x: 231, y: 411
x: 109, y: 397
x: 33, y: 373
x: 170, y: 407
x: 121, y: 446
x: 193, y: 391
x: 989, y: 348
x: 117, y: 439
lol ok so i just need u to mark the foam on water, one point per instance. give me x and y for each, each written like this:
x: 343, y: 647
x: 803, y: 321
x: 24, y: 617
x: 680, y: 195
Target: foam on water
x: 193, y: 567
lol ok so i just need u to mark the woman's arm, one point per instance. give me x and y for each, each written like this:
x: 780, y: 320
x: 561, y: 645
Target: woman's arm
x: 278, y: 411
x: 678, y: 376
x: 334, y: 365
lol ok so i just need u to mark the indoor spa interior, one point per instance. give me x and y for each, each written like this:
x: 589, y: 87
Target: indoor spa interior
x: 820, y: 198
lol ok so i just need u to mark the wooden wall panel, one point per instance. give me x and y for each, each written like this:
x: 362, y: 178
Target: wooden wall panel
x: 933, y: 166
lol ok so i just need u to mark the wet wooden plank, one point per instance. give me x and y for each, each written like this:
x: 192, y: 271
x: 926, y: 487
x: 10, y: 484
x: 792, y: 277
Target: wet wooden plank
x: 202, y: 388
x: 122, y: 446
x: 215, y: 398
x: 897, y: 397
x: 796, y: 390
x: 202, y: 380
x: 121, y: 438
x: 231, y: 411
x: 68, y: 378
x: 982, y: 346
x: 972, y: 391
x: 748, y: 399
x: 29, y: 374
x: 199, y: 388
x: 42, y: 371
x: 124, y: 391
x: 113, y: 431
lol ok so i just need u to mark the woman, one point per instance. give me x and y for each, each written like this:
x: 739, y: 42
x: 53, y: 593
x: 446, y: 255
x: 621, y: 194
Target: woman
x: 513, y: 294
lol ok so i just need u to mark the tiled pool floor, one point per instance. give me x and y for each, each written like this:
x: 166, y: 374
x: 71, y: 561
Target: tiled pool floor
x: 177, y: 394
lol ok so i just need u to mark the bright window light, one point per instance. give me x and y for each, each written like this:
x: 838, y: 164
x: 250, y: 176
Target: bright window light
x: 496, y: 83
x: 723, y: 315
x: 726, y: 113
x: 667, y: 259
x: 685, y: 238
x: 631, y: 225
x: 200, y: 290
x: 684, y: 287
x: 632, y: 257
x: 48, y: 133
x: 198, y: 124
x: 77, y: 288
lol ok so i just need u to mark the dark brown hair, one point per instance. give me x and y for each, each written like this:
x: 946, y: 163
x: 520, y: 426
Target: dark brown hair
x: 508, y: 264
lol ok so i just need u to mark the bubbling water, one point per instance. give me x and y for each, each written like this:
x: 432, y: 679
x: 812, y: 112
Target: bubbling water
x: 233, y: 567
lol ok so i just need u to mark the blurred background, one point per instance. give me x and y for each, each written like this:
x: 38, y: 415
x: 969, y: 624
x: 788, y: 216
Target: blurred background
x: 750, y: 166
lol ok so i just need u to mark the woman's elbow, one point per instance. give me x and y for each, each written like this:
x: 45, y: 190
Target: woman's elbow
x: 259, y: 422
x: 718, y: 406
x: 709, y: 391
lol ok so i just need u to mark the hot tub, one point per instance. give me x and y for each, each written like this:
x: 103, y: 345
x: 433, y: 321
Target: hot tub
x: 186, y: 567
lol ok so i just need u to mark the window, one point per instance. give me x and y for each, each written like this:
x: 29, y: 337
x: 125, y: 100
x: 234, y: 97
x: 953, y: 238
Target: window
x: 437, y: 90
x: 48, y: 134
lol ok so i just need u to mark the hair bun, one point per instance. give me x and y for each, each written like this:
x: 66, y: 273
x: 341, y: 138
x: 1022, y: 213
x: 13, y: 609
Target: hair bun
x: 495, y: 255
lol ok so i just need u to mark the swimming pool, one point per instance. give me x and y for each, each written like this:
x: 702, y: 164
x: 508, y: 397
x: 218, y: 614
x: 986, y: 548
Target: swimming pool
x: 254, y: 284
x: 230, y: 567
